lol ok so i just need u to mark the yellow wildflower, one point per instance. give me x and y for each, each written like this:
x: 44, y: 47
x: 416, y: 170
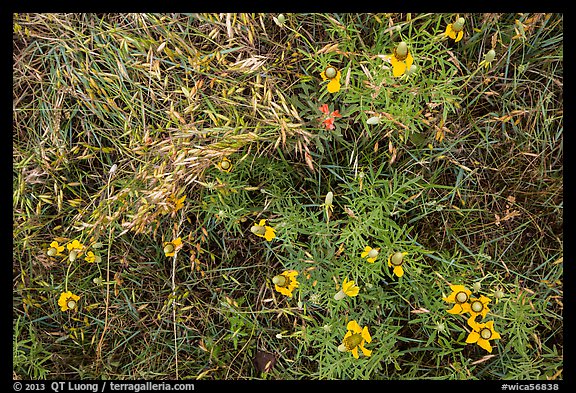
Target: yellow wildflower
x: 401, y: 59
x: 68, y: 301
x: 460, y: 295
x: 75, y: 248
x: 482, y: 334
x: 225, y: 165
x: 55, y: 249
x: 396, y: 260
x: 355, y: 338
x: 455, y: 30
x: 478, y: 307
x: 333, y: 75
x: 349, y: 288
x: 170, y: 248
x: 263, y: 230
x: 286, y: 282
x: 370, y: 254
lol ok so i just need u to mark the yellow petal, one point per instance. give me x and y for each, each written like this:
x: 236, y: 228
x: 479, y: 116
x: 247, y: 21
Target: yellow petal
x: 459, y: 36
x: 355, y: 352
x: 472, y: 337
x: 460, y: 288
x: 409, y: 61
x: 334, y: 86
x: 398, y: 68
x: 351, y: 290
x: 269, y: 235
x: 455, y: 310
x: 366, y: 334
x: 284, y: 291
x: 365, y: 351
x: 262, y: 223
x: 485, y: 344
x: 449, y: 32
x: 399, y: 271
x: 366, y: 251
x: 353, y: 326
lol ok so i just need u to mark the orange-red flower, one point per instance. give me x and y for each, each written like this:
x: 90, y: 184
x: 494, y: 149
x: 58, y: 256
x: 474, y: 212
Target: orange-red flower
x: 330, y: 117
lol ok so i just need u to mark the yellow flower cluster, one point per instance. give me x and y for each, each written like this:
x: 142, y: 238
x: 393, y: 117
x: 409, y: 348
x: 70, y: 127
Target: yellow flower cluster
x: 75, y: 250
x: 482, y: 333
x: 68, y: 300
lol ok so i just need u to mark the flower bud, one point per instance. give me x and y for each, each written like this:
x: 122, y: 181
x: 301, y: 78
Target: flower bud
x: 225, y: 164
x: 329, y: 199
x: 373, y: 120
x: 281, y: 19
x: 340, y: 295
x: 402, y: 49
x: 330, y: 72
x: 258, y: 230
x: 412, y: 69
x: 476, y: 286
x: 373, y: 253
x: 489, y: 57
x: 458, y: 25
x: 396, y: 259
x: 279, y: 280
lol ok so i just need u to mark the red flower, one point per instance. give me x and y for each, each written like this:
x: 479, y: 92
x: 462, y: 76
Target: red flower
x: 329, y: 121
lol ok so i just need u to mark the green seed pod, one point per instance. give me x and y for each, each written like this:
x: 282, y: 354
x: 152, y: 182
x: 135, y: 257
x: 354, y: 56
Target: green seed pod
x: 168, y: 248
x: 477, y: 306
x: 397, y: 258
x: 340, y: 295
x: 461, y: 297
x: 73, y: 255
x: 258, y: 230
x: 412, y: 69
x: 52, y: 251
x: 281, y: 19
x: 329, y: 198
x: 402, y: 49
x: 458, y: 25
x: 330, y: 72
x: 498, y: 294
x: 71, y: 304
x: 225, y: 164
x: 489, y: 57
x: 279, y: 280
x: 485, y: 333
x: 476, y: 286
x: 373, y: 253
x: 352, y: 341
x: 373, y: 120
